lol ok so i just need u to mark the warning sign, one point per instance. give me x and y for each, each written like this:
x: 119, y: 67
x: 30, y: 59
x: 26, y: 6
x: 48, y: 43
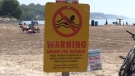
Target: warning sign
x: 66, y: 37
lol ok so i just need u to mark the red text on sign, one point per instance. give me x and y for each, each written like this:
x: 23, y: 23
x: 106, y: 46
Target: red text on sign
x: 66, y: 44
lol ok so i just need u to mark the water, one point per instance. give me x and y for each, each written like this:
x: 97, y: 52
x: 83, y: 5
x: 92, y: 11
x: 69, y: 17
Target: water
x: 29, y: 22
x: 100, y: 21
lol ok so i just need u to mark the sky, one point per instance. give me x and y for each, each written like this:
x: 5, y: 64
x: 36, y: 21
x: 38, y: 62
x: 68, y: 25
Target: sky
x: 116, y: 7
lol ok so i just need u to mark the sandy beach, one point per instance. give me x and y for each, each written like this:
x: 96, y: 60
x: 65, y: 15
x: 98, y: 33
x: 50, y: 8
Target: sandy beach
x: 21, y: 54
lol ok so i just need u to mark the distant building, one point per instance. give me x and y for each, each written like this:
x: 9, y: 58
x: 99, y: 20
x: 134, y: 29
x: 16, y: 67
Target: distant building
x: 39, y: 16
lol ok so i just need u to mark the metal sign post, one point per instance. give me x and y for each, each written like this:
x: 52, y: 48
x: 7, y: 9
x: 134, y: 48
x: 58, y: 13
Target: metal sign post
x: 69, y: 1
x: 65, y: 73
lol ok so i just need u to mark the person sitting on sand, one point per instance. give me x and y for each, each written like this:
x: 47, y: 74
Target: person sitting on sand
x: 33, y: 23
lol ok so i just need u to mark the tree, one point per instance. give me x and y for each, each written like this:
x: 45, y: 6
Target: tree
x: 0, y: 4
x: 24, y: 7
x: 11, y: 8
x: 32, y: 5
x: 29, y: 16
x: 33, y: 11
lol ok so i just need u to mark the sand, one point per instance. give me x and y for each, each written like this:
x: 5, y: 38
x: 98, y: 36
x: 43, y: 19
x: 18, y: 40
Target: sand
x: 21, y: 54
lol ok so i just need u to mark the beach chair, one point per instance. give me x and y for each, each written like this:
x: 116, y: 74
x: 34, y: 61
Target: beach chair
x: 31, y: 27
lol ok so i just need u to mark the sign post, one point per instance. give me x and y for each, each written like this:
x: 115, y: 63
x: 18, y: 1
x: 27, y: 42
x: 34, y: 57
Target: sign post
x: 66, y: 37
x: 65, y: 73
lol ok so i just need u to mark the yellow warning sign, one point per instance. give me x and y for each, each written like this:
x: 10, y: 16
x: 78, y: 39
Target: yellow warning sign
x: 66, y: 37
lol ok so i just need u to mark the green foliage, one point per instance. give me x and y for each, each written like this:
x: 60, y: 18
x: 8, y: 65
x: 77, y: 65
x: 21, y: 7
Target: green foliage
x: 33, y: 11
x: 11, y: 8
x: 1, y: 3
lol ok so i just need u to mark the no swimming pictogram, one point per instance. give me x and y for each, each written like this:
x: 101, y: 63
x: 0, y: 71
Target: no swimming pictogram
x: 67, y: 22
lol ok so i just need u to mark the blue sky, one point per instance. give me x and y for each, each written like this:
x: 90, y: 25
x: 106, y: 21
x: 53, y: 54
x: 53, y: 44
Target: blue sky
x: 116, y: 7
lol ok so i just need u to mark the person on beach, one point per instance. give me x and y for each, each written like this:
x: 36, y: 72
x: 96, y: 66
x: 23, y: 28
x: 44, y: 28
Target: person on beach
x: 106, y: 23
x: 126, y: 23
x: 24, y: 23
x: 33, y: 23
x: 33, y: 26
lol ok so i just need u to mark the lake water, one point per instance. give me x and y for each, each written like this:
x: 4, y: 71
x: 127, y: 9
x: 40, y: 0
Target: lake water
x: 100, y: 21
